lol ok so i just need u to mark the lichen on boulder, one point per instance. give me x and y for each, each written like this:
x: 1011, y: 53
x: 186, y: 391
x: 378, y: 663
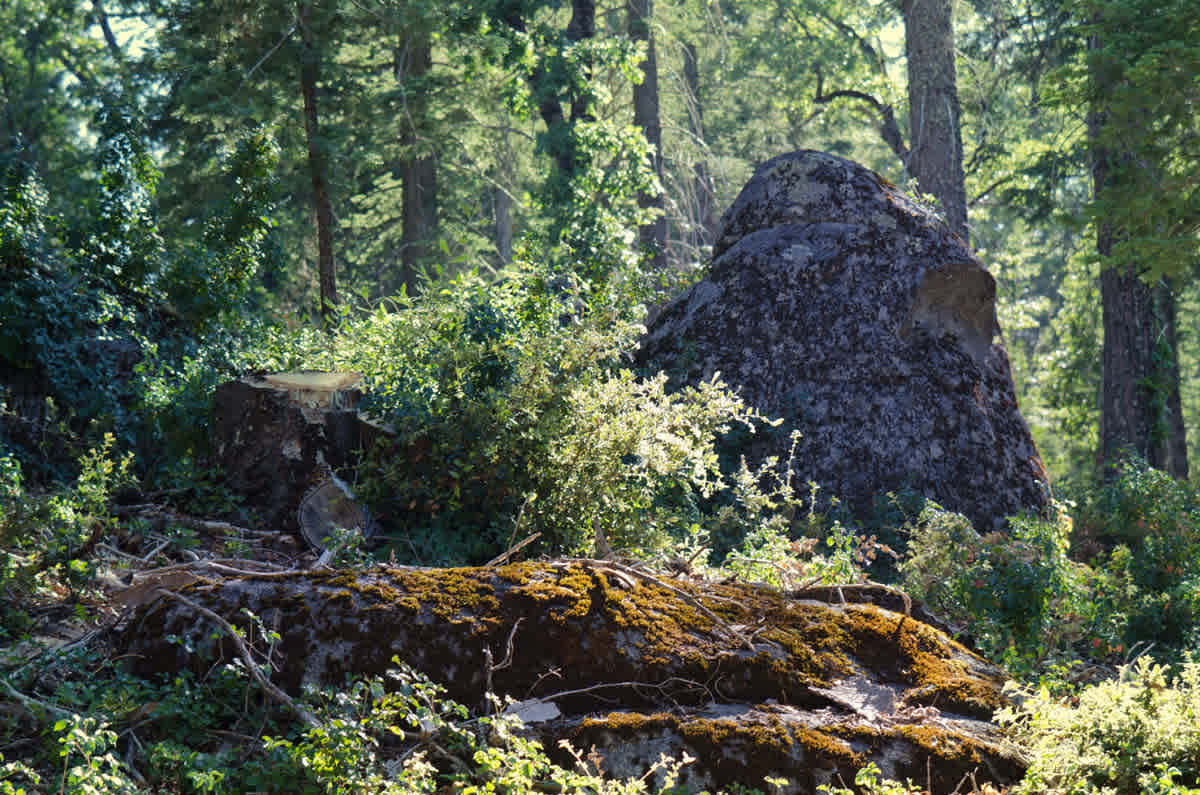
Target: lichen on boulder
x: 839, y: 304
x: 749, y: 680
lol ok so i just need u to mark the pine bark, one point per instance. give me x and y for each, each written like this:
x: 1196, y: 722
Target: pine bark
x: 1127, y: 415
x: 653, y: 235
x: 317, y: 165
x: 418, y: 172
x: 1139, y: 402
x: 1175, y: 438
x: 703, y: 229
x: 935, y: 133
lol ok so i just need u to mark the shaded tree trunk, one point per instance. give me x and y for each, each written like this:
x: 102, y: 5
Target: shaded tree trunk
x: 1175, y: 437
x: 1140, y: 408
x: 581, y: 27
x: 704, y: 222
x: 1127, y: 408
x: 317, y: 165
x: 502, y: 205
x: 645, y: 115
x: 502, y: 200
x: 418, y: 172
x: 935, y: 133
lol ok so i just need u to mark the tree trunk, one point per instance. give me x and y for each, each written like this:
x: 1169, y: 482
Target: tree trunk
x: 502, y: 209
x: 1175, y: 440
x: 317, y: 165
x: 502, y: 200
x: 703, y: 229
x: 603, y: 629
x: 582, y: 26
x: 645, y: 115
x: 418, y: 172
x: 1140, y: 409
x: 1127, y: 411
x: 935, y: 158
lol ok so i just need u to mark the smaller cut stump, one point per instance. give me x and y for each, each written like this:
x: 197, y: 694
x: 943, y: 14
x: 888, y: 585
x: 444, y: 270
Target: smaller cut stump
x: 277, y: 437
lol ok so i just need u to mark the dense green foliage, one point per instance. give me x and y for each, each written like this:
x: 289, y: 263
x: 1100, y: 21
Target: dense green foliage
x: 488, y: 183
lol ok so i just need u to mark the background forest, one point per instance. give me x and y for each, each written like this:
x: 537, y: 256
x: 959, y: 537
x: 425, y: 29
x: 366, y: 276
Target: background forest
x: 476, y: 204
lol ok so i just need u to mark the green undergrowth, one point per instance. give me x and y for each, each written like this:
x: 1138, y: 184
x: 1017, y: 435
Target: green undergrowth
x: 1093, y: 610
x: 102, y: 731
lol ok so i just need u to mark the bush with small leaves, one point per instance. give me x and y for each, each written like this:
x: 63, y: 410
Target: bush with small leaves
x: 1148, y: 563
x: 1135, y: 733
x: 1009, y: 588
x: 89, y: 765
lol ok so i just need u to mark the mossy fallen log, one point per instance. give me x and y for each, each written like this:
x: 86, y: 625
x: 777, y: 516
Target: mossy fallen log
x: 750, y: 681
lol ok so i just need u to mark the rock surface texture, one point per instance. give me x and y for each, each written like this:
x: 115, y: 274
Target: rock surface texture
x: 750, y: 681
x: 837, y: 303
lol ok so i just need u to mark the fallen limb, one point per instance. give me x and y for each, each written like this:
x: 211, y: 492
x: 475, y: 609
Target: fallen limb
x: 161, y: 515
x: 29, y: 701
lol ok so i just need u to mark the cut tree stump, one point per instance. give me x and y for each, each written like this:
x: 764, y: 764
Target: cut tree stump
x: 282, y: 438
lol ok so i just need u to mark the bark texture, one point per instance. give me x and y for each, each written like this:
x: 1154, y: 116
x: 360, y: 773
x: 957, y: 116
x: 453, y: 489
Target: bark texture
x: 317, y: 164
x: 750, y: 681
x: 935, y: 133
x: 836, y: 303
x: 1176, y: 454
x: 703, y: 222
x: 1140, y: 406
x: 418, y: 172
x: 653, y: 235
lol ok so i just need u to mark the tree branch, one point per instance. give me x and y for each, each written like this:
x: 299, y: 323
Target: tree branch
x: 889, y: 130
x: 102, y: 20
x: 983, y: 194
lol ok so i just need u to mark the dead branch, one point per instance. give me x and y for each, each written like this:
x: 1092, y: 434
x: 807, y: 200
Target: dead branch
x: 660, y: 686
x: 508, y: 656
x: 29, y: 701
x: 160, y: 515
x: 503, y: 558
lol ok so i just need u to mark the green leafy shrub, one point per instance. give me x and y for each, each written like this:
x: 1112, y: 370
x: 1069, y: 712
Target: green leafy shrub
x: 1009, y: 589
x: 786, y: 540
x: 103, y: 315
x: 11, y: 770
x: 868, y: 782
x: 48, y: 536
x: 1141, y: 528
x: 474, y: 381
x: 1136, y: 733
x: 89, y: 764
x: 512, y: 414
x: 628, y: 461
x: 397, y: 733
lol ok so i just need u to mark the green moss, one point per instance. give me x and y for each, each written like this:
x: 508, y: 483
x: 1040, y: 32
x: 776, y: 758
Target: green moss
x: 938, y: 742
x: 933, y: 663
x: 571, y: 587
x: 827, y: 745
x: 632, y: 721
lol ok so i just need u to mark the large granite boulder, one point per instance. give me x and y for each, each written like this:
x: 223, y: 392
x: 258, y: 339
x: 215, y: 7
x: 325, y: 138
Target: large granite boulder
x: 840, y: 305
x: 750, y: 681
